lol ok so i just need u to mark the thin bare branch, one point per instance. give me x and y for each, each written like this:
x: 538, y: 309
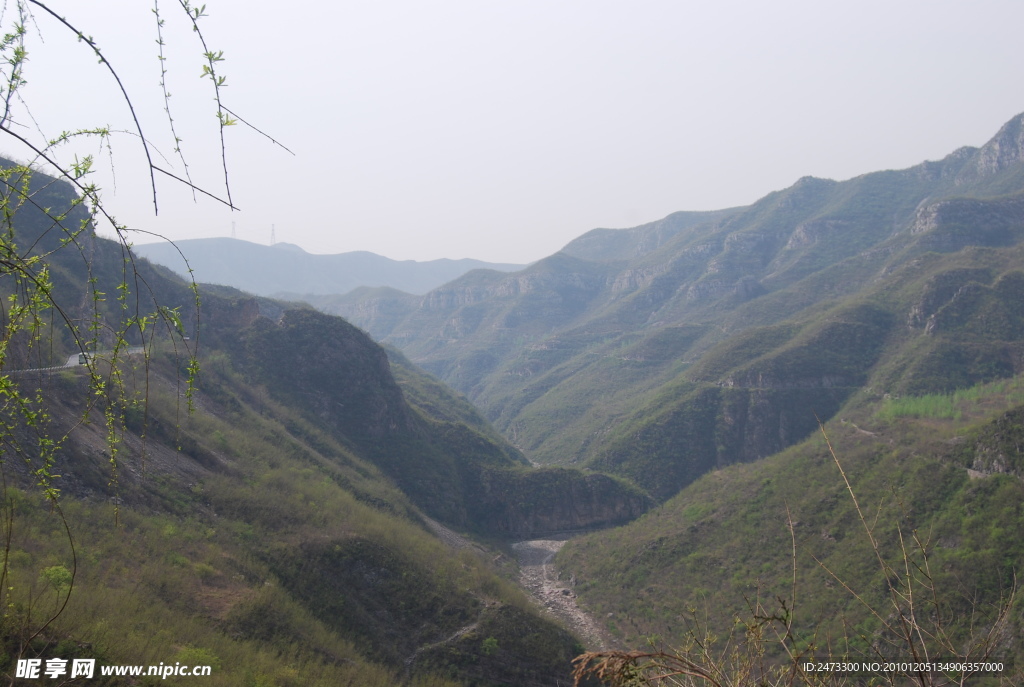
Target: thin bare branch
x: 262, y: 133
x: 124, y: 92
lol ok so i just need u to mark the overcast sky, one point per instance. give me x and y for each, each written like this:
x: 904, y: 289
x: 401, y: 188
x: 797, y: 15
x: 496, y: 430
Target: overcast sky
x: 502, y: 130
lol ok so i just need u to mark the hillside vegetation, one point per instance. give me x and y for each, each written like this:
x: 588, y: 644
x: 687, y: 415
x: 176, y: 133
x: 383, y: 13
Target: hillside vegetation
x: 938, y: 481
x: 662, y: 352
x: 284, y: 531
x: 695, y: 357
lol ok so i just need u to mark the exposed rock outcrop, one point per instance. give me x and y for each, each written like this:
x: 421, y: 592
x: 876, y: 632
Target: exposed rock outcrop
x: 1005, y: 149
x: 997, y: 448
x: 525, y: 504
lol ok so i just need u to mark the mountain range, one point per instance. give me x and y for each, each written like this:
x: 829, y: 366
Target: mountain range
x: 667, y: 350
x: 765, y: 373
x: 285, y: 270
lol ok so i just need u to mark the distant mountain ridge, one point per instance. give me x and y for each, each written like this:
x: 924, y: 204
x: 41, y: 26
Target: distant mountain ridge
x: 286, y: 269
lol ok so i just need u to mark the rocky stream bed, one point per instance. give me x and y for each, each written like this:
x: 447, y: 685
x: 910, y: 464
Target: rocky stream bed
x: 539, y: 578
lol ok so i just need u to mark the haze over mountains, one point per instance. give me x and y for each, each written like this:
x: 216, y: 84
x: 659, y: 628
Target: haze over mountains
x: 670, y: 377
x: 284, y: 269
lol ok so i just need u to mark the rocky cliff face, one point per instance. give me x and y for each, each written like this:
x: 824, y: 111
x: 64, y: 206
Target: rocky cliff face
x: 940, y: 290
x: 997, y: 448
x: 1004, y: 150
x: 713, y: 427
x: 523, y: 504
x: 950, y: 225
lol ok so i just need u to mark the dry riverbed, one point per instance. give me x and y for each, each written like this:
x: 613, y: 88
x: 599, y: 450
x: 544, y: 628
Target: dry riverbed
x: 539, y: 578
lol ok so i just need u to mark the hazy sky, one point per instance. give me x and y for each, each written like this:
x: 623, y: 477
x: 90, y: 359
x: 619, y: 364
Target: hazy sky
x: 502, y: 130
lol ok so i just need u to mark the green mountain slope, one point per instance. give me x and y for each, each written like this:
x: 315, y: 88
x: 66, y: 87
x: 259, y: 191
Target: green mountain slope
x: 284, y: 532
x: 939, y: 474
x: 666, y: 350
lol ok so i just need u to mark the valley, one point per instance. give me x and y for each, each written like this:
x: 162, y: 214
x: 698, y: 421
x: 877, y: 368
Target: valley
x: 695, y: 357
x: 795, y: 427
